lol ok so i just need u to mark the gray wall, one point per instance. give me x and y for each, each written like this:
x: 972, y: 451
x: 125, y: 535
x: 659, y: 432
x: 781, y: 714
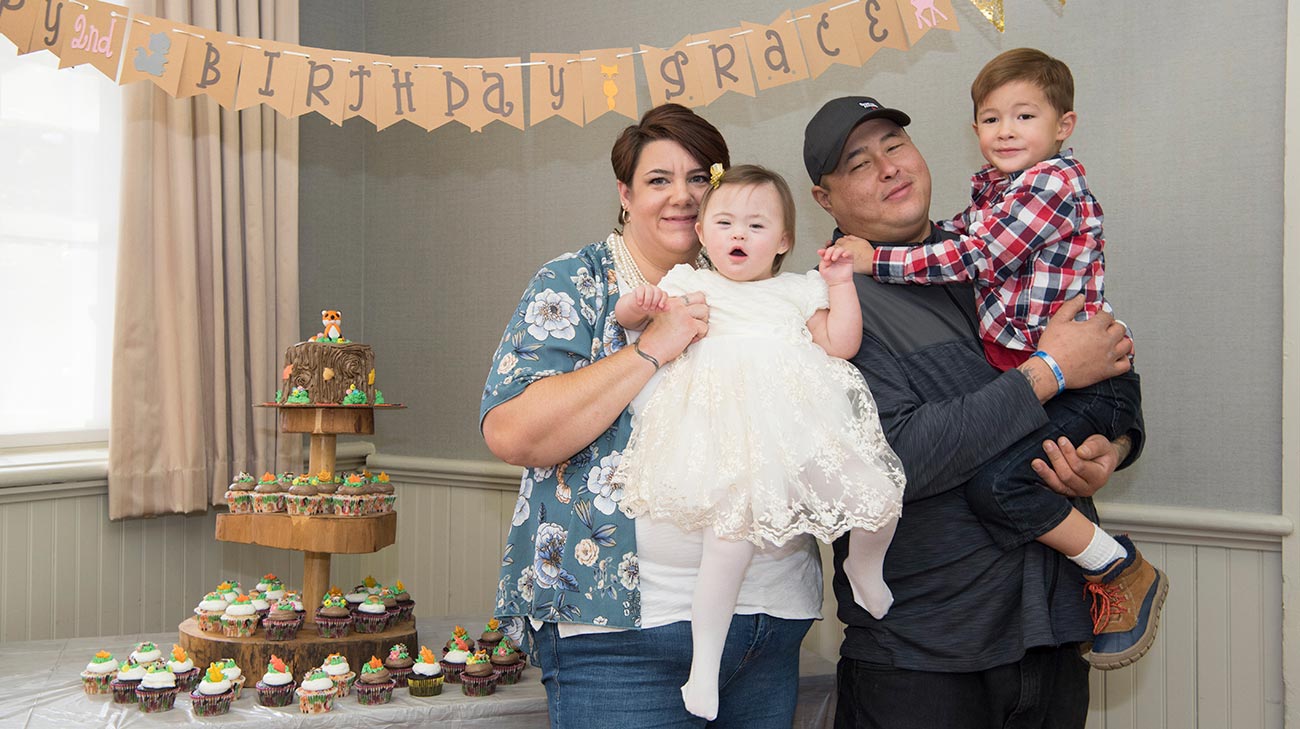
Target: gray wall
x: 1180, y: 129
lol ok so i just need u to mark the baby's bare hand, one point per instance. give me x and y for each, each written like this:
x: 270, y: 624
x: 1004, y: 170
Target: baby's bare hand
x: 862, y: 250
x: 836, y: 264
x: 650, y: 298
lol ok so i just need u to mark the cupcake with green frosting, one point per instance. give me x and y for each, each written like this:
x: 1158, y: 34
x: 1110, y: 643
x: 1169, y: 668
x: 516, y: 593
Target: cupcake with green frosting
x: 316, y: 694
x: 239, y: 496
x: 425, y: 678
x: 157, y: 690
x: 375, y: 686
x: 479, y: 678
x: 99, y: 674
x: 277, y: 686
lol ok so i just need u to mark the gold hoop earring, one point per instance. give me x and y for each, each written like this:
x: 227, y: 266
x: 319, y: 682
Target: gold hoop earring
x: 624, y: 216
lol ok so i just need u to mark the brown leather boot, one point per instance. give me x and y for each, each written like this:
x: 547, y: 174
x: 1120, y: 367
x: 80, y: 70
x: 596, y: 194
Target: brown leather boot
x: 1127, y: 596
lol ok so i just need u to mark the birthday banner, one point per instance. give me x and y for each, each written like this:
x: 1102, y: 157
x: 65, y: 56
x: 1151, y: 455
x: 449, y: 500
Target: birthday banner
x: 580, y: 87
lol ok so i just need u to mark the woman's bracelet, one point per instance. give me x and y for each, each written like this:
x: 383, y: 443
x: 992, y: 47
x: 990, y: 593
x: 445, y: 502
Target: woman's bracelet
x: 1056, y: 369
x: 636, y: 347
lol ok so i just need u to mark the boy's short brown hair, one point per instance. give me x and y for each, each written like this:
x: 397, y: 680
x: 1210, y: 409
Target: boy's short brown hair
x: 1026, y: 64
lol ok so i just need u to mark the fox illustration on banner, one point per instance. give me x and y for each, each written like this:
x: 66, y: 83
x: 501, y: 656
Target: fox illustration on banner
x: 608, y: 83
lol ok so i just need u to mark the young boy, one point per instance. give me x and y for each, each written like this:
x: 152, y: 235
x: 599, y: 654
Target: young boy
x: 1030, y: 241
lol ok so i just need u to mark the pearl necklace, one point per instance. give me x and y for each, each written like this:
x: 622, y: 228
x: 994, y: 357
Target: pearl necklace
x: 625, y: 263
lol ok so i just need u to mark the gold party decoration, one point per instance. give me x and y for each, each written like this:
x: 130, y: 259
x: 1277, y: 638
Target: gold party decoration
x: 992, y: 10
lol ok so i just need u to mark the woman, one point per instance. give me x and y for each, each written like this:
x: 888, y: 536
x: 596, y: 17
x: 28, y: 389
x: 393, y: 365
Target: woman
x: 606, y: 599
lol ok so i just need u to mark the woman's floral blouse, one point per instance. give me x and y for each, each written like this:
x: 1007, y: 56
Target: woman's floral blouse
x: 571, y: 553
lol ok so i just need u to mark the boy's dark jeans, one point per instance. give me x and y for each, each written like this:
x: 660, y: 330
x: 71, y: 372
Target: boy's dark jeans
x: 1008, y: 497
x: 1047, y: 689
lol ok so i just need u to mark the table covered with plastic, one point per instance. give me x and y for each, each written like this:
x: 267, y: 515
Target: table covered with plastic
x: 40, y: 688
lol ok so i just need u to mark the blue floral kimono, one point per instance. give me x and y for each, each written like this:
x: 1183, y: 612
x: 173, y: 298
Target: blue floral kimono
x: 571, y: 553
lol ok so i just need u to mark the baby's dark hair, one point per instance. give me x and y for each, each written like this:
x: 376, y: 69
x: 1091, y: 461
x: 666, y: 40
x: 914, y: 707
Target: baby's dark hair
x: 747, y: 175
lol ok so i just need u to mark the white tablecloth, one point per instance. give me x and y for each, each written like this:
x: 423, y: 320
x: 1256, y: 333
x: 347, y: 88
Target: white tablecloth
x: 40, y: 688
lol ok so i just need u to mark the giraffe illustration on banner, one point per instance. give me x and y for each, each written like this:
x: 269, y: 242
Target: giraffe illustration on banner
x: 610, y: 88
x: 153, y: 60
x: 921, y: 6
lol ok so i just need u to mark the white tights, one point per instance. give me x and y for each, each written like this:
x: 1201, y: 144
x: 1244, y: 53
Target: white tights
x: 722, y: 570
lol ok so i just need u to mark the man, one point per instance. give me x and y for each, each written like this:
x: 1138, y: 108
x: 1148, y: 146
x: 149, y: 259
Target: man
x: 977, y: 636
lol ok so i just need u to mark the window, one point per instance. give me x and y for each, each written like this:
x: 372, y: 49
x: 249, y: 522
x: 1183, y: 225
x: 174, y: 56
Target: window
x: 60, y: 149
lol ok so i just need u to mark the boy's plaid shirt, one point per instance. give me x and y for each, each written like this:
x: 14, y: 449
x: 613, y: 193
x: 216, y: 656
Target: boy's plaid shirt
x: 1029, y: 241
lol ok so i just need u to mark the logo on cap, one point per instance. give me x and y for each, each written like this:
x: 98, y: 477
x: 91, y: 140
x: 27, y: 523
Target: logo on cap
x: 868, y: 105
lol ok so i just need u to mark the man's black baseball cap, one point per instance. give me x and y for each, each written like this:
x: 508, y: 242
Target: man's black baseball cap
x: 824, y: 138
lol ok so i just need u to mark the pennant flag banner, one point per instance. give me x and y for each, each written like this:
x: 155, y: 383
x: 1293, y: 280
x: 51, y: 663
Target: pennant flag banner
x: 430, y: 92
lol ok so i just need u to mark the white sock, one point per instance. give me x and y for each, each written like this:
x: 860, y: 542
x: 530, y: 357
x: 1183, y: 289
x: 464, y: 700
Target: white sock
x: 1101, y: 551
x: 865, y: 568
x: 722, y: 569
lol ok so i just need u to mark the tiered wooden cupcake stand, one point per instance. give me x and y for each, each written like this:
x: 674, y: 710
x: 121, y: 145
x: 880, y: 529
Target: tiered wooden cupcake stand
x: 318, y: 538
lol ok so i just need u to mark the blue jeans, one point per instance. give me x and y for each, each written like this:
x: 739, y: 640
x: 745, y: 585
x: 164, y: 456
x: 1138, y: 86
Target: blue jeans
x: 632, y: 679
x: 1008, y: 497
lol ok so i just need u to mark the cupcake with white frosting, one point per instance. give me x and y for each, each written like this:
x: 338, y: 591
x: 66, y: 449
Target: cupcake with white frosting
x: 214, y: 693
x: 157, y: 690
x: 277, y: 686
x: 99, y: 674
x: 240, y: 618
x: 182, y: 666
x: 425, y: 678
x: 208, y: 613
x: 316, y: 694
x: 337, y: 668
x: 129, y: 676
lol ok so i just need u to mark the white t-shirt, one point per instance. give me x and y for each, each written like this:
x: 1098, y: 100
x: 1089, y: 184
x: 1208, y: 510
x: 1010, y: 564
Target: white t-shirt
x: 784, y: 582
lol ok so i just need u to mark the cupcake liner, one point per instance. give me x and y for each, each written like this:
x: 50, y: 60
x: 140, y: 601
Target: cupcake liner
x: 153, y: 701
x: 209, y: 621
x: 124, y: 691
x: 281, y: 629
x: 204, y: 705
x: 390, y: 502
x: 343, y: 683
x: 406, y: 611
x: 97, y: 683
x: 373, y: 694
x: 452, y: 671
x: 510, y: 674
x: 369, y: 622
x: 333, y: 627
x: 400, y: 675
x: 240, y: 502
x: 424, y: 686
x: 187, y: 681
x: 237, y: 685
x: 478, y: 685
x: 315, y: 702
x: 240, y: 627
x: 275, y: 695
x: 394, y: 616
x: 296, y: 505
x: 268, y: 503
x: 349, y: 505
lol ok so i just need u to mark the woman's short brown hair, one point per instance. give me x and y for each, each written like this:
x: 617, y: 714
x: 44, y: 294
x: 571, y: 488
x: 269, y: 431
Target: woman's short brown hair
x: 1026, y: 64
x: 747, y: 175
x: 675, y: 123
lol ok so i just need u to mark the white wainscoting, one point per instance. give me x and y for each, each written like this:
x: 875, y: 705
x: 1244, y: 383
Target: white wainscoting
x: 66, y: 571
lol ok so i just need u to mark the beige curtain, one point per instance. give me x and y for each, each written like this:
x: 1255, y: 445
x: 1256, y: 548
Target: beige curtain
x: 207, y: 282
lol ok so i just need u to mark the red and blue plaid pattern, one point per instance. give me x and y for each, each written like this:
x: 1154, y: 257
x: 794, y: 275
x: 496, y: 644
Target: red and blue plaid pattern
x: 1029, y: 241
